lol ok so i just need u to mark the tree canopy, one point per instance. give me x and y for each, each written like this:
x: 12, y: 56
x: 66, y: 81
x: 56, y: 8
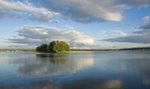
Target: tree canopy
x: 42, y: 48
x: 54, y: 46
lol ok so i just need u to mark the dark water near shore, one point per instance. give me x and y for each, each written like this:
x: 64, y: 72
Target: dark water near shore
x: 84, y: 70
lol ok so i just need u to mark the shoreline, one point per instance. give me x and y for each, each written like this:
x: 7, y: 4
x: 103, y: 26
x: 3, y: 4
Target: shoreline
x: 76, y: 50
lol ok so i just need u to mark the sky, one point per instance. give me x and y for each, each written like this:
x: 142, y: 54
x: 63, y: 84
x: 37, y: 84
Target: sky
x: 96, y: 24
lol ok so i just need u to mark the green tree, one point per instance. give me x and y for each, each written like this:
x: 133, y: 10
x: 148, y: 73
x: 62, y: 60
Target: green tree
x: 58, y: 46
x: 42, y: 48
x: 54, y: 46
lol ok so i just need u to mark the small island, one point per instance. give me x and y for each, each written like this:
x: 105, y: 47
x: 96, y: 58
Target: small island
x: 53, y: 47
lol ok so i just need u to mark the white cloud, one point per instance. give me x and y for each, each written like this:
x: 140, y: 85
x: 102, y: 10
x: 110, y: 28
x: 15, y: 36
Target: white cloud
x: 146, y: 25
x: 87, y: 10
x: 11, y: 9
x: 36, y: 35
x: 93, y: 10
x: 146, y: 19
x: 113, y: 33
x: 117, y: 32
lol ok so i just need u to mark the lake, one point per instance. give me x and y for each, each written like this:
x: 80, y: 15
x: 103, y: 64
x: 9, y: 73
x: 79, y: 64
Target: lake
x: 81, y: 70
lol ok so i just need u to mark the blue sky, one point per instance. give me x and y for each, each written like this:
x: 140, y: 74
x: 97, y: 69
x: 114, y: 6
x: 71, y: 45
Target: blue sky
x: 83, y: 24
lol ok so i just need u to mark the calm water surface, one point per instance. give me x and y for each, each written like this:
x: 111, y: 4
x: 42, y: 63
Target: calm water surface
x: 86, y: 70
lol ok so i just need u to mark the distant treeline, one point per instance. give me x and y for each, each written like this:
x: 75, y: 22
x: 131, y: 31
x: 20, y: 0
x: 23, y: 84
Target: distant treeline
x: 137, y: 48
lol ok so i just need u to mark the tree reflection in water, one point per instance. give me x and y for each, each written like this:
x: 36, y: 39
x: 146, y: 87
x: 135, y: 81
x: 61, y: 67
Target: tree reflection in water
x: 53, y: 58
x: 40, y: 85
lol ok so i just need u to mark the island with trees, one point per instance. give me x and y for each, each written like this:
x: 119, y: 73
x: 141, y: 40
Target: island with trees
x: 54, y: 47
x: 62, y: 47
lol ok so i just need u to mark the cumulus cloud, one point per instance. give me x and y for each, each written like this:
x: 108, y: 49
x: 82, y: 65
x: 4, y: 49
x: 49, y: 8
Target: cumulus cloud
x: 83, y: 11
x: 11, y: 9
x: 142, y: 35
x: 93, y: 10
x: 36, y: 35
x: 86, y: 10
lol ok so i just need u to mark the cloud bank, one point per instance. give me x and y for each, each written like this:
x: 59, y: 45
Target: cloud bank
x: 36, y: 35
x: 83, y: 11
x: 86, y: 11
x: 142, y: 35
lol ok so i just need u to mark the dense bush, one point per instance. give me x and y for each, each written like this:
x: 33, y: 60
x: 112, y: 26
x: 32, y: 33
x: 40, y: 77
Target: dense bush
x: 42, y: 48
x: 58, y: 46
x: 54, y: 46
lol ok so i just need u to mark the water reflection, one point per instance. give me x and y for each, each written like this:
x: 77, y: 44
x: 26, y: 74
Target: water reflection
x: 142, y: 67
x: 83, y: 83
x: 90, y: 83
x: 53, y: 58
x: 45, y: 84
x: 98, y: 70
x: 124, y: 62
x: 54, y: 64
x: 40, y: 85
